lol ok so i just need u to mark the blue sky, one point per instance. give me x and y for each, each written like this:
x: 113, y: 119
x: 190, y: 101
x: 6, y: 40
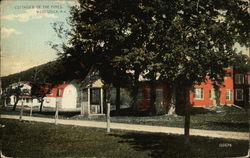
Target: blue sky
x: 26, y: 29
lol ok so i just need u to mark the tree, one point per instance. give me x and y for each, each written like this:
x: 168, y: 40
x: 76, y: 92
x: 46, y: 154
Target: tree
x: 241, y: 63
x: 39, y: 91
x: 113, y: 37
x: 179, y: 42
x: 16, y: 90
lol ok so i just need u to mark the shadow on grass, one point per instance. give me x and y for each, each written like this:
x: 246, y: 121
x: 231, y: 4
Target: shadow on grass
x: 240, y: 126
x: 52, y: 113
x: 200, y: 110
x: 128, y: 112
x: 131, y: 112
x: 161, y: 145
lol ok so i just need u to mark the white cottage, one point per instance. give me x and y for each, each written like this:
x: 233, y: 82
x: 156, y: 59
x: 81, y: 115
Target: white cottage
x: 64, y: 95
x: 25, y: 90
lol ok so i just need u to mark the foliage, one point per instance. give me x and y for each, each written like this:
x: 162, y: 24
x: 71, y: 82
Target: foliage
x: 180, y: 42
x: 39, y: 91
x: 241, y: 63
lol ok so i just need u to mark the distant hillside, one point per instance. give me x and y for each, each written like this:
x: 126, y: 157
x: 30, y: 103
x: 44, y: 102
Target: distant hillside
x: 34, y: 74
x: 52, y: 72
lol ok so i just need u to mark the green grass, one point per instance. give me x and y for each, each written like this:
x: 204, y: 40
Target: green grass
x: 26, y: 139
x: 223, y: 118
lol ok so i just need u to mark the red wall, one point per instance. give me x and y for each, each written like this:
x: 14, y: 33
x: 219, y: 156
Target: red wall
x: 206, y: 101
x: 144, y: 105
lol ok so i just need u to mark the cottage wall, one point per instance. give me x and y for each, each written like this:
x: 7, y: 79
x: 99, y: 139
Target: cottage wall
x: 69, y: 97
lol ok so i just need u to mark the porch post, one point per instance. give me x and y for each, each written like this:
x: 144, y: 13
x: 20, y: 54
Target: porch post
x: 88, y: 101
x: 81, y: 102
x: 5, y: 101
x: 108, y: 117
x: 101, y: 100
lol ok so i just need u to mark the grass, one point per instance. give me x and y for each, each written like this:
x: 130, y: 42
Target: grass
x: 26, y: 139
x: 222, y: 118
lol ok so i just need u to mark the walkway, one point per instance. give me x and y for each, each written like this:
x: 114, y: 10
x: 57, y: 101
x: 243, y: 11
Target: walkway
x: 138, y: 128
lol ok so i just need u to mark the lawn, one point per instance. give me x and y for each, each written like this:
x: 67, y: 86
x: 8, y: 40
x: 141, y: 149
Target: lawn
x: 29, y: 139
x: 222, y: 118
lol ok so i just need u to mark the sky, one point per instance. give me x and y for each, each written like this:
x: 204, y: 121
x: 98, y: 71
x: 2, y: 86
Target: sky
x: 26, y: 30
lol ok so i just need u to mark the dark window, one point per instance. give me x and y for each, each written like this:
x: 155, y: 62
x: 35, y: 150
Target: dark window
x: 239, y: 94
x: 95, y: 96
x: 147, y: 93
x: 140, y: 95
x: 228, y: 74
x: 239, y: 78
x: 50, y: 92
x: 25, y: 91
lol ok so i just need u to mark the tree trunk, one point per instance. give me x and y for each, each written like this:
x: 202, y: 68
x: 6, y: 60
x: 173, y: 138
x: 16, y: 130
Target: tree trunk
x: 217, y: 95
x: 15, y: 104
x: 41, y: 105
x: 134, y: 92
x: 180, y: 100
x: 117, y: 99
x: 184, y: 107
x: 187, y: 110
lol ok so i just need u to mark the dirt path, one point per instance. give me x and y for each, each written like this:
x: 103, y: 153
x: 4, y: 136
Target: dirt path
x: 138, y: 128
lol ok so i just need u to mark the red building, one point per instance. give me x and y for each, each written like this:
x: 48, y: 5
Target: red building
x: 234, y: 90
x: 242, y: 89
x: 206, y: 95
x: 143, y: 97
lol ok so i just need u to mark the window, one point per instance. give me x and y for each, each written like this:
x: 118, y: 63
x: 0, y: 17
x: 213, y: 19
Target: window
x: 59, y: 92
x: 47, y: 100
x: 228, y: 74
x: 95, y: 95
x: 198, y: 93
x: 239, y: 78
x: 25, y: 91
x: 210, y: 95
x: 239, y: 94
x: 50, y: 92
x: 159, y: 95
x: 228, y: 95
x: 140, y: 95
x: 147, y: 93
